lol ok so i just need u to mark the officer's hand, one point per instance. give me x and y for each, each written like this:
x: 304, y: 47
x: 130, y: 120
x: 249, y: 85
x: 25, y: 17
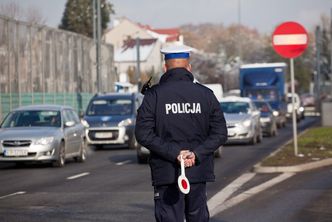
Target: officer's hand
x: 183, y: 154
x: 190, y: 159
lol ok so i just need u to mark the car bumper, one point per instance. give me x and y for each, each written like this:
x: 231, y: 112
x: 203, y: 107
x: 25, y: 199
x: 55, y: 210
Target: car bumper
x: 266, y: 127
x: 32, y: 153
x: 240, y: 135
x: 110, y: 135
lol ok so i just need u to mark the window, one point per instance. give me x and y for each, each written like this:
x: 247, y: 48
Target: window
x: 33, y: 118
x: 235, y: 107
x: 111, y: 106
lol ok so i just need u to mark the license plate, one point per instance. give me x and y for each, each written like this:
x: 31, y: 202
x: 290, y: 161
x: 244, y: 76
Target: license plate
x: 103, y: 135
x: 16, y: 152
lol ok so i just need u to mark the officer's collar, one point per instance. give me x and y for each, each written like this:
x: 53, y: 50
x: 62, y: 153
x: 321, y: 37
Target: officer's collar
x: 177, y: 74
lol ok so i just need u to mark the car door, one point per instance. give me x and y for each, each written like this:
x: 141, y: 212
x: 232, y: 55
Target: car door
x: 256, y: 116
x: 70, y: 132
x: 79, y: 130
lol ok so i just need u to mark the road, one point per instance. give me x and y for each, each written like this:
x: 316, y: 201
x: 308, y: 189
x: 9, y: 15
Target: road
x: 305, y: 197
x: 110, y: 185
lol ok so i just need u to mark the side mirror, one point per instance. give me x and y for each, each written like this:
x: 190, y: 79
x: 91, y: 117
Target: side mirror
x: 69, y: 124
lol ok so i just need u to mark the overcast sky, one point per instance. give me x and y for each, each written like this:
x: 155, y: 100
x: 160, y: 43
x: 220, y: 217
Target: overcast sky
x: 263, y: 15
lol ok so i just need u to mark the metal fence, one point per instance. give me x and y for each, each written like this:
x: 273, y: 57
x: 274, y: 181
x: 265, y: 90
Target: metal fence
x: 44, y: 65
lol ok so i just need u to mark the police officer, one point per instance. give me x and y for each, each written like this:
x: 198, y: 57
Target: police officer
x: 180, y: 118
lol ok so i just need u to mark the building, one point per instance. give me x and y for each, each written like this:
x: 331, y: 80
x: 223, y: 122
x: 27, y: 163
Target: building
x: 125, y: 35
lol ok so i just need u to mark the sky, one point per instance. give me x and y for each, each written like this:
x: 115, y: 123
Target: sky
x: 263, y: 15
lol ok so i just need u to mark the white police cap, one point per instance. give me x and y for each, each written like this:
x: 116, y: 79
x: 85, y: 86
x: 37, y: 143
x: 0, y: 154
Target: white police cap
x: 176, y: 51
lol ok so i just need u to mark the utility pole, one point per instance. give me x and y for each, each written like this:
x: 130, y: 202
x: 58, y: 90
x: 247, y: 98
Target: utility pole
x: 239, y: 33
x: 94, y: 20
x: 318, y: 71
x: 331, y: 52
x: 138, y: 62
x: 97, y: 39
x: 98, y: 46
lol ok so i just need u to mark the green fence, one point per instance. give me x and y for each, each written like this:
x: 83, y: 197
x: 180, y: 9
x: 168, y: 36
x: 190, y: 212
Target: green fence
x: 9, y: 101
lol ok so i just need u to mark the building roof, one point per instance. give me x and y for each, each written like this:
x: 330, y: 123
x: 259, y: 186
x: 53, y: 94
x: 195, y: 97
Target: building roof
x: 166, y: 34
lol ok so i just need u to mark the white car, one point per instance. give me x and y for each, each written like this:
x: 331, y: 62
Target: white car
x: 299, y: 109
x: 243, y: 120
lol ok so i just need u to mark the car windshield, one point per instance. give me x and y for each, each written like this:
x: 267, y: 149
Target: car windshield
x: 235, y: 107
x: 111, y: 106
x: 39, y: 118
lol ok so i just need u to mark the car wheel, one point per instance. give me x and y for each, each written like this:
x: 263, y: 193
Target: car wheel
x: 82, y: 156
x: 218, y: 152
x: 141, y: 158
x: 275, y: 130
x: 260, y: 137
x: 253, y: 140
x: 133, y: 144
x: 60, y: 162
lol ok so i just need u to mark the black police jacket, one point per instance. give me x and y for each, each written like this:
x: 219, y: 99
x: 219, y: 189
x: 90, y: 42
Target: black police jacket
x: 178, y: 114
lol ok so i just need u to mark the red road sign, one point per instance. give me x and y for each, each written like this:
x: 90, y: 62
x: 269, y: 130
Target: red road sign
x: 290, y: 39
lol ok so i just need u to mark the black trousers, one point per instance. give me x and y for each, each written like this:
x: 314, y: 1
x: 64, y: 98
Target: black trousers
x: 173, y: 206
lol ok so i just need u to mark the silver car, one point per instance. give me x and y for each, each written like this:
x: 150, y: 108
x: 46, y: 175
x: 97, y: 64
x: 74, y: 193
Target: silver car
x: 242, y: 118
x: 42, y: 133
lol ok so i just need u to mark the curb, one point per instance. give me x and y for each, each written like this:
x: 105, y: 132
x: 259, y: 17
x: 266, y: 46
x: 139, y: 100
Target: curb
x: 258, y: 168
x: 292, y: 169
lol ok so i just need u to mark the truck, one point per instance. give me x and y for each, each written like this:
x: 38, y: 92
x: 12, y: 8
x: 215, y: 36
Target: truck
x: 266, y: 82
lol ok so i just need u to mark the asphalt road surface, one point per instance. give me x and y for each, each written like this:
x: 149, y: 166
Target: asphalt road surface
x: 111, y: 186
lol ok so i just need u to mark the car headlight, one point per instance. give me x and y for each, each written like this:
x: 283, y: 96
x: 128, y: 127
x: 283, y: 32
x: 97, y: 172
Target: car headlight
x: 275, y: 113
x: 85, y: 123
x: 247, y: 123
x: 44, y: 141
x: 126, y: 122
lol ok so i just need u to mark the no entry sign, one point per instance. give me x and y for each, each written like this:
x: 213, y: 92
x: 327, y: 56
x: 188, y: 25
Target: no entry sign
x: 290, y: 39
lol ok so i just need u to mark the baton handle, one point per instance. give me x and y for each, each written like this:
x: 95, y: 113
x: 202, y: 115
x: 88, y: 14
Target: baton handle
x: 182, y: 167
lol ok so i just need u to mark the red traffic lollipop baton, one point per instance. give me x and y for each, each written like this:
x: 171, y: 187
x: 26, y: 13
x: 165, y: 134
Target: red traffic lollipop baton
x: 183, y: 182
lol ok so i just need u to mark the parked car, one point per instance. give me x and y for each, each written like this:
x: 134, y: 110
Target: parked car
x: 299, y: 109
x: 111, y: 119
x: 42, y: 133
x: 268, y: 118
x: 242, y: 118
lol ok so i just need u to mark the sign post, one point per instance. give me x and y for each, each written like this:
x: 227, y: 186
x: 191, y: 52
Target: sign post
x: 290, y: 40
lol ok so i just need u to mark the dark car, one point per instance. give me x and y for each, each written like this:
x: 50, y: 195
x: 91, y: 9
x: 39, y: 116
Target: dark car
x: 268, y: 118
x: 111, y: 118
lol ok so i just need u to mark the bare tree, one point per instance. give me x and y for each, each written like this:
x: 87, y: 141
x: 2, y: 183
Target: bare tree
x: 12, y: 10
x: 34, y: 15
x: 15, y: 11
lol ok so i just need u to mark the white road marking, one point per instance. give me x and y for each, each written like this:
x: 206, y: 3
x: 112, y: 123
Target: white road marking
x: 78, y: 176
x: 123, y: 162
x: 219, y: 198
x: 13, y: 194
x: 290, y: 39
x: 249, y: 193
